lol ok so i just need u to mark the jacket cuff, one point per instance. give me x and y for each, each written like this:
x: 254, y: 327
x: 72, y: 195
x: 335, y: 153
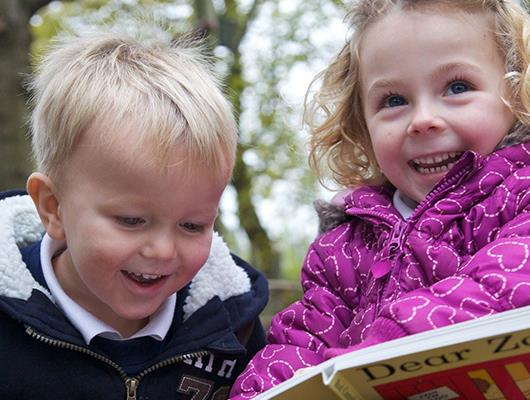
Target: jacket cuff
x: 381, y: 331
x: 384, y: 329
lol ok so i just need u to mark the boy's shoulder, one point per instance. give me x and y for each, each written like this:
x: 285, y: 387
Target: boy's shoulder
x: 226, y: 276
x: 11, y: 193
x: 20, y: 226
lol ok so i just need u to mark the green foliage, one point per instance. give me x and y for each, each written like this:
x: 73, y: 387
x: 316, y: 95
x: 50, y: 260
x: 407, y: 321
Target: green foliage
x: 73, y: 14
x: 275, y: 143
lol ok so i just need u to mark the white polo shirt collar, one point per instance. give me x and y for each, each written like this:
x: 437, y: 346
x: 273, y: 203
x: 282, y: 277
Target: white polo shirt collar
x: 404, y: 209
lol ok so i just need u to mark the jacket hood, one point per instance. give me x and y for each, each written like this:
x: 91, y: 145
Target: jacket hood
x: 20, y: 226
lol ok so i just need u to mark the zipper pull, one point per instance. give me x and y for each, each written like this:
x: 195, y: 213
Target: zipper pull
x: 383, y: 266
x: 396, y: 240
x: 132, y: 386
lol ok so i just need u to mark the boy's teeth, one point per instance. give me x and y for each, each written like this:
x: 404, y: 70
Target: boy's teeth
x: 144, y: 277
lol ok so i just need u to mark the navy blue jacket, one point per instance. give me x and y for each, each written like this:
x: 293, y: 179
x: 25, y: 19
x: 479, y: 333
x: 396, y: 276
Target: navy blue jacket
x: 215, y: 330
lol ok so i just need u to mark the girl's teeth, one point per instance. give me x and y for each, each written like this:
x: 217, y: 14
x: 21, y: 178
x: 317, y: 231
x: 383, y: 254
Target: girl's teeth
x: 435, y: 170
x: 435, y: 164
x: 435, y: 159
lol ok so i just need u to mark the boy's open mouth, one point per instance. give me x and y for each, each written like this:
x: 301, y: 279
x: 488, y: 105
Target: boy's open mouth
x: 143, y: 278
x: 435, y: 164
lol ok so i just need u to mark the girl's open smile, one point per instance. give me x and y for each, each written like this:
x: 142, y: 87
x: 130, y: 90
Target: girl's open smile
x: 439, y: 163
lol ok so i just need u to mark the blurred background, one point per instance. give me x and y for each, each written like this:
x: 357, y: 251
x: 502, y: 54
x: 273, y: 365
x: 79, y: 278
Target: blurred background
x: 267, y: 50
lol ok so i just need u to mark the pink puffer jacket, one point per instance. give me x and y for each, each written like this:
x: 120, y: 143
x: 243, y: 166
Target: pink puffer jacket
x: 463, y: 254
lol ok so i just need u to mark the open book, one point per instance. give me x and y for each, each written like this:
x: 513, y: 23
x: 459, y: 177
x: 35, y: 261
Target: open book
x: 486, y: 358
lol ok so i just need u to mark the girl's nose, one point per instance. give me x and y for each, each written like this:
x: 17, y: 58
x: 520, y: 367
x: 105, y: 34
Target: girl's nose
x: 161, y: 246
x: 425, y: 119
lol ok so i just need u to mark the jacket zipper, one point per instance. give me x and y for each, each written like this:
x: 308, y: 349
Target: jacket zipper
x: 131, y: 383
x: 437, y: 190
x: 390, y: 222
x: 398, y: 229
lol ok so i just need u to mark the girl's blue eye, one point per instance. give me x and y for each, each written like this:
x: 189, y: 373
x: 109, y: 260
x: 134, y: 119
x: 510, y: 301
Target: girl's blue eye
x: 457, y: 88
x: 394, y: 101
x: 130, y: 221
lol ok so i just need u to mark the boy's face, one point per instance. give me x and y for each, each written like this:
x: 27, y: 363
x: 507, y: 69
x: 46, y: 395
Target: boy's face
x: 134, y: 235
x: 431, y: 89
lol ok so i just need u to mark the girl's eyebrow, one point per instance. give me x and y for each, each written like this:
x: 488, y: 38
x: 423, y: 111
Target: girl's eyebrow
x: 381, y: 84
x: 453, y: 67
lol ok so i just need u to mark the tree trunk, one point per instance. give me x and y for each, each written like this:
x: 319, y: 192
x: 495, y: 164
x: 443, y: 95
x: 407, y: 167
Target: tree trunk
x: 264, y: 256
x: 15, y: 159
x: 229, y: 30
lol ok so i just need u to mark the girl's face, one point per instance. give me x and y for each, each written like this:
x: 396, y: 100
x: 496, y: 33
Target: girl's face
x: 431, y: 89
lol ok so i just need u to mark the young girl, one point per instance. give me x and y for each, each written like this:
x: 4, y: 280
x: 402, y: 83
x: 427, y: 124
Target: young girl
x: 424, y: 115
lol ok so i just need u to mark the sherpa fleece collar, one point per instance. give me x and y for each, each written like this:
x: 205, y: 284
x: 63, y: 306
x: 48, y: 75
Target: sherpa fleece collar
x: 20, y: 226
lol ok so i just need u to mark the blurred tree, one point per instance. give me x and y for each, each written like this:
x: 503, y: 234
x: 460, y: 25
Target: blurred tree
x: 228, y: 26
x: 15, y: 42
x: 269, y: 149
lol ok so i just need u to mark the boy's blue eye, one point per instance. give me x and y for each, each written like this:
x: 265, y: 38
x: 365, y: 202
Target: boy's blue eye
x: 191, y: 227
x: 394, y: 101
x: 457, y: 88
x: 130, y: 221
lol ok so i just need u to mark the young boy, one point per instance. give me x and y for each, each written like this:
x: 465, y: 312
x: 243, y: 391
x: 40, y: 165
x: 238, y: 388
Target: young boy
x: 121, y: 289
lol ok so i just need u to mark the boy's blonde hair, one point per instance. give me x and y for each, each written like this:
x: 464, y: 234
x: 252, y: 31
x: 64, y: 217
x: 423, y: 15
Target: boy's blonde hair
x: 339, y: 136
x: 164, y: 91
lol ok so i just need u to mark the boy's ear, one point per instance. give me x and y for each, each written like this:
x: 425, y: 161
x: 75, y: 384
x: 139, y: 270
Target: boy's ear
x: 44, y: 194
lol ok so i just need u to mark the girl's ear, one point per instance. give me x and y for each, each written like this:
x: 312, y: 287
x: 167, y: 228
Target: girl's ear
x: 44, y: 194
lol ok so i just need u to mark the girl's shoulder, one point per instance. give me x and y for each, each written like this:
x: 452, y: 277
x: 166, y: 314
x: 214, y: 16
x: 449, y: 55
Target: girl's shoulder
x: 507, y: 169
x: 350, y: 201
x: 330, y: 215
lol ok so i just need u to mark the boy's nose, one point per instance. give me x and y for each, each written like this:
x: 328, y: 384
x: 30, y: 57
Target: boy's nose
x: 162, y: 246
x: 425, y: 119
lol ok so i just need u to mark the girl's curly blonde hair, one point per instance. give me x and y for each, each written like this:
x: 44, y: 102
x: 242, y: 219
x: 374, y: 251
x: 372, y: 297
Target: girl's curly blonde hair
x: 334, y: 114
